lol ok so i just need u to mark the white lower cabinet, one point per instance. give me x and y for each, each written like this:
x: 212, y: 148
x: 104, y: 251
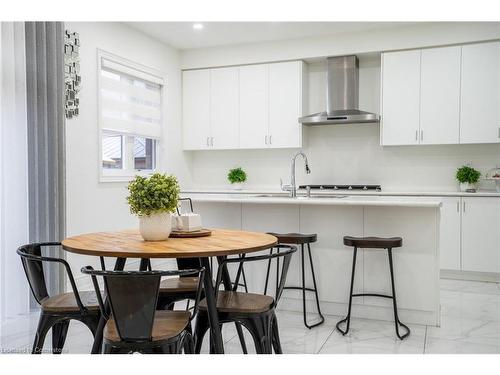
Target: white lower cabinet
x: 450, y: 234
x: 481, y: 234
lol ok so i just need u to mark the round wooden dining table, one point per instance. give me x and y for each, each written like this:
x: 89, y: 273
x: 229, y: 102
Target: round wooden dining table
x: 129, y: 244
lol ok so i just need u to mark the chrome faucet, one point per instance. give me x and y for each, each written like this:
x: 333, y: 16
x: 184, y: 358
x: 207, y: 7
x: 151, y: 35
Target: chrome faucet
x: 292, y: 187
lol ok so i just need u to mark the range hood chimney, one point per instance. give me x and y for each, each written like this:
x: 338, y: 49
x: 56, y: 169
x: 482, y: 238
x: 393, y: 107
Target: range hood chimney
x: 342, y: 95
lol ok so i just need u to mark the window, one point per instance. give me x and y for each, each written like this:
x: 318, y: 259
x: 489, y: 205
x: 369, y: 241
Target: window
x: 130, y: 118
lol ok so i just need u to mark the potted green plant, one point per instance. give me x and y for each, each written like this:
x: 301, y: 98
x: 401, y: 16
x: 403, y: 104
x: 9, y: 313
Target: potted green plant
x: 153, y: 199
x: 467, y: 177
x: 237, y: 177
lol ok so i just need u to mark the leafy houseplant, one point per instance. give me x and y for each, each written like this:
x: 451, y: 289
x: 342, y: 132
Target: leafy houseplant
x: 467, y: 177
x: 237, y: 177
x: 153, y: 199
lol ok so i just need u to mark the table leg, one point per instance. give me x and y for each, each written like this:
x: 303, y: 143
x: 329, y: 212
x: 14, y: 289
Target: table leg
x: 97, y: 346
x: 226, y: 279
x: 215, y: 331
x: 144, y: 264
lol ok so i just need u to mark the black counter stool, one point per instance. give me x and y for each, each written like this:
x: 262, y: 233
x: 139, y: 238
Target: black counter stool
x: 374, y: 243
x: 299, y: 239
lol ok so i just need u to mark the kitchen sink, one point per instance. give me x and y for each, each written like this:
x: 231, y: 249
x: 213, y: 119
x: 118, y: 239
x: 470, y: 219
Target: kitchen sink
x: 301, y: 196
x: 329, y: 196
x: 272, y: 196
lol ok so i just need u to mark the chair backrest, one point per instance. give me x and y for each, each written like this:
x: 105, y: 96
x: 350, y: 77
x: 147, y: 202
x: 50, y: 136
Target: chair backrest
x: 283, y: 251
x: 133, y: 296
x: 32, y: 260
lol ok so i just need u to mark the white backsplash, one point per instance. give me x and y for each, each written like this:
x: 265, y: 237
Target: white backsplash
x: 347, y: 154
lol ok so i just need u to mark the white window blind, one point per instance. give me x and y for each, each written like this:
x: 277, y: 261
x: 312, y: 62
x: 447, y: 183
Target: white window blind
x: 130, y: 100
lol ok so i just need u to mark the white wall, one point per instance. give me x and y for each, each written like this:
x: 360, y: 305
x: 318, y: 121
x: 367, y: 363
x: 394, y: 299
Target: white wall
x: 91, y: 205
x: 414, y: 36
x: 347, y: 153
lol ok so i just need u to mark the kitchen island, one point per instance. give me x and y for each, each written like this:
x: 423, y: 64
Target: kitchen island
x: 415, y: 219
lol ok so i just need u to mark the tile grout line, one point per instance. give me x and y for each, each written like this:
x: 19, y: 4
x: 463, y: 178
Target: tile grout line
x: 425, y: 339
x: 328, y: 338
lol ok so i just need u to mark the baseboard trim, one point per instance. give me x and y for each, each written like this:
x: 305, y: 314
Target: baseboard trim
x: 470, y: 276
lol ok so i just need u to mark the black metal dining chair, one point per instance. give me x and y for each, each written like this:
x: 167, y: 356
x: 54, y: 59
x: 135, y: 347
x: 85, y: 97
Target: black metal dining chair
x: 256, y: 312
x: 135, y: 325
x: 58, y: 310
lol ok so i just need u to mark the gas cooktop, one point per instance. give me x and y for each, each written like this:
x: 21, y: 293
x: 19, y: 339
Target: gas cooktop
x: 342, y: 187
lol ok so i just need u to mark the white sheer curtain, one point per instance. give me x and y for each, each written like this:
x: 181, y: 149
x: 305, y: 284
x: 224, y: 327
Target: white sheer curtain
x: 14, y: 290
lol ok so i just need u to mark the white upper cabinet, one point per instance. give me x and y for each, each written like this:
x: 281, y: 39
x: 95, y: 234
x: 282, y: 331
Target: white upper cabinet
x: 445, y: 95
x: 254, y: 102
x: 255, y: 106
x: 400, y: 98
x: 196, y: 109
x: 481, y: 234
x: 480, y: 99
x: 285, y: 104
x: 440, y: 95
x: 224, y: 108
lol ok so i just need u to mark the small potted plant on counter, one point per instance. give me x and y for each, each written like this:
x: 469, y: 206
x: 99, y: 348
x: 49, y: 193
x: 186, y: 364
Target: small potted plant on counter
x: 153, y: 199
x: 237, y: 177
x: 467, y: 177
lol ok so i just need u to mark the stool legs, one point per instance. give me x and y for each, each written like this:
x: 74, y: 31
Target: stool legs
x: 303, y: 287
x: 397, y: 322
x: 315, y: 289
x: 347, y: 319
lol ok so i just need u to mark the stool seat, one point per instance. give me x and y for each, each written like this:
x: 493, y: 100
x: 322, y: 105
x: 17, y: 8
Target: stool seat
x: 295, y: 238
x: 373, y: 242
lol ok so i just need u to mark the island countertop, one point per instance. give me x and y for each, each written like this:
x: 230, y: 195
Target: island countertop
x: 322, y: 200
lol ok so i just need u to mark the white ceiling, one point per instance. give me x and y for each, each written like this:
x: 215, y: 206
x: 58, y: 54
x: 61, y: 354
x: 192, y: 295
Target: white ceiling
x: 182, y: 35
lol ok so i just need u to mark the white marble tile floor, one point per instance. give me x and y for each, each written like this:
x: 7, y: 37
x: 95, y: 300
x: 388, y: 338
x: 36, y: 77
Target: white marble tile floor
x: 470, y: 324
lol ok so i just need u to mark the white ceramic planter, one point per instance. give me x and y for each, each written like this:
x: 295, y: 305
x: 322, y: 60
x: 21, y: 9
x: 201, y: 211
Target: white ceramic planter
x: 155, y: 227
x: 464, y: 186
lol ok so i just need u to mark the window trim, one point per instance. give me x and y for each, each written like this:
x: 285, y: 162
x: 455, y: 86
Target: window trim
x: 126, y: 175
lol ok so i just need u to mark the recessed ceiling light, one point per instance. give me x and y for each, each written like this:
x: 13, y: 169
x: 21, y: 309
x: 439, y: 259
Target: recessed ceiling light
x: 197, y: 26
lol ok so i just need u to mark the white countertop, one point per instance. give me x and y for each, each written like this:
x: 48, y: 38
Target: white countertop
x: 480, y: 193
x: 338, y: 200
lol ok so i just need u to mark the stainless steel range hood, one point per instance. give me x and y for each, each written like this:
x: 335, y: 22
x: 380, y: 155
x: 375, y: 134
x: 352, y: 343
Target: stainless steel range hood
x: 342, y: 95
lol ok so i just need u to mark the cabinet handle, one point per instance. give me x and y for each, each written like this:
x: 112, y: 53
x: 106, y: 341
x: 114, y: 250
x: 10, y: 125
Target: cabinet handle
x: 463, y: 205
x: 458, y: 206
x: 421, y: 135
x: 271, y: 139
x: 416, y: 135
x: 266, y: 139
x: 498, y: 132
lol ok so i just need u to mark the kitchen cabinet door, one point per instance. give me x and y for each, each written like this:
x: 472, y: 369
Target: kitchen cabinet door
x: 224, y: 108
x: 449, y: 235
x: 400, y: 98
x: 196, y: 109
x: 480, y: 93
x: 440, y: 96
x: 254, y: 110
x: 481, y: 234
x: 285, y: 104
